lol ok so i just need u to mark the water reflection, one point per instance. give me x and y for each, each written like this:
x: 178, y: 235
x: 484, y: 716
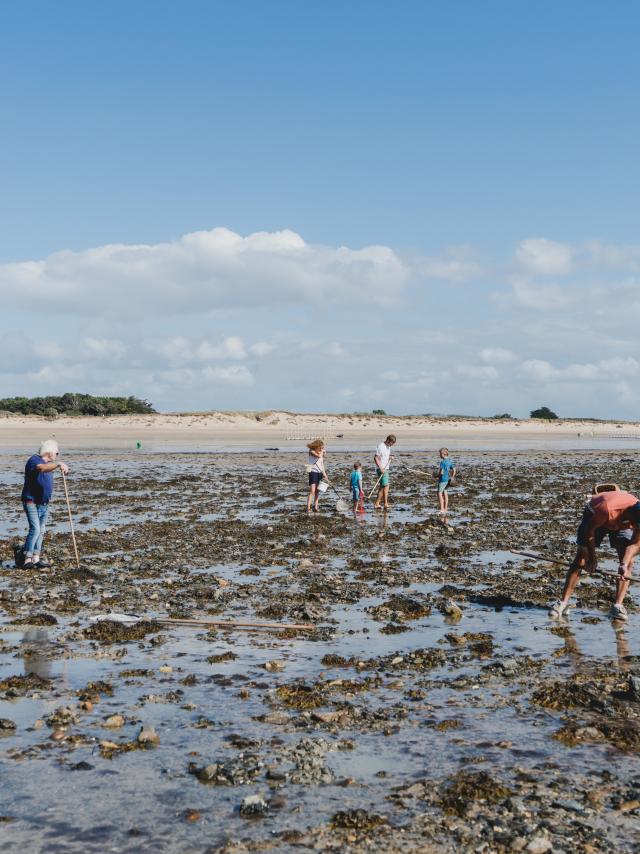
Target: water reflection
x: 36, y: 653
x: 623, y: 651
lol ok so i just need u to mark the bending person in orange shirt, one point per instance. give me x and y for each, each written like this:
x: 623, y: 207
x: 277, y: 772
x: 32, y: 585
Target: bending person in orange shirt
x: 617, y: 514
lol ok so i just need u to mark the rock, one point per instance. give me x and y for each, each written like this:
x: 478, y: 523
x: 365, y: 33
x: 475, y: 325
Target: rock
x: 148, y: 737
x: 509, y: 666
x: 452, y: 610
x: 569, y: 806
x: 114, y: 722
x: 192, y: 815
x: 253, y: 806
x: 275, y: 775
x: 325, y: 717
x: 208, y: 773
x: 539, y: 845
x: 634, y: 687
x: 629, y: 806
x: 274, y: 666
x: 166, y: 668
x: 7, y: 725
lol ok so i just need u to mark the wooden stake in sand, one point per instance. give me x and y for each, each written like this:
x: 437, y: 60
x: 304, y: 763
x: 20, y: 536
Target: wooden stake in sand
x: 73, y: 535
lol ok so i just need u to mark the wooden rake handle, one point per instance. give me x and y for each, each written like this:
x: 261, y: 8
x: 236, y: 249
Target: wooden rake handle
x: 73, y: 534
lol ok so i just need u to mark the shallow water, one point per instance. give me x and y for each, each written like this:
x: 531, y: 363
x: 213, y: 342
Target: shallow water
x: 158, y: 550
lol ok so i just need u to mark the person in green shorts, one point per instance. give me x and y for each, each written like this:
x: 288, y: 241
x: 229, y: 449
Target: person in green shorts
x: 382, y: 458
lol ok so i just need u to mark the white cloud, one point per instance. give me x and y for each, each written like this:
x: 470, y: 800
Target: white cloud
x: 604, y: 370
x: 53, y: 375
x: 612, y: 257
x: 201, y: 272
x: 539, y: 370
x: 485, y: 373
x: 496, y: 356
x: 48, y: 350
x: 104, y: 348
x: 335, y: 350
x: 541, y: 298
x: 262, y: 349
x: 232, y: 375
x: 546, y: 257
x: 229, y: 348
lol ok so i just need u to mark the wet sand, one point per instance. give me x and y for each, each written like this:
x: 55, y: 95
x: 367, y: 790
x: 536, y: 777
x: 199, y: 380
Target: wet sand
x: 287, y: 431
x: 433, y: 707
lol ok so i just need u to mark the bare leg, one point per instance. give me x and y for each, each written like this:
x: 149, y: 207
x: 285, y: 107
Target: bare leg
x: 573, y: 574
x: 622, y: 585
x: 441, y: 501
x: 310, y: 497
x: 446, y: 500
x: 383, y: 495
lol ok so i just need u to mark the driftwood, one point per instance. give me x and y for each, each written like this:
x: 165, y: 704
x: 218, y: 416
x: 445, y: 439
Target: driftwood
x: 132, y: 619
x: 235, y: 624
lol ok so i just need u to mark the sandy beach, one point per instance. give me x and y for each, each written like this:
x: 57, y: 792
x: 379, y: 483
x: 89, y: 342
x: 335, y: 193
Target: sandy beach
x: 286, y: 430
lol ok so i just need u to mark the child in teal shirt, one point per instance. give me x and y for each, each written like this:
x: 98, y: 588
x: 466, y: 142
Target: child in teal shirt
x: 446, y: 473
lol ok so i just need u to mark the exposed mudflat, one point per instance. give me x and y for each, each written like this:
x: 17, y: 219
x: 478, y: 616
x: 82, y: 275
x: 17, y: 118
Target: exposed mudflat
x: 433, y: 707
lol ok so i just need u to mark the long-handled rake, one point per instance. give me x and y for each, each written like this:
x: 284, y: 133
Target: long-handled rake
x: 73, y: 535
x: 557, y: 562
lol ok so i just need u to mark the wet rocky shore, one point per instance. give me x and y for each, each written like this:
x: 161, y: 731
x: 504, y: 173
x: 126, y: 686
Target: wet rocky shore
x: 432, y: 705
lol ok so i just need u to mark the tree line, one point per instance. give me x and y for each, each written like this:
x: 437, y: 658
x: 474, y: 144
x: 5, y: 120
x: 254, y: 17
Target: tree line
x: 76, y: 404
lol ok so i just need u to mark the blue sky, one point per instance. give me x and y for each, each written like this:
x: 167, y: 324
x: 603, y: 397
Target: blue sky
x: 490, y: 148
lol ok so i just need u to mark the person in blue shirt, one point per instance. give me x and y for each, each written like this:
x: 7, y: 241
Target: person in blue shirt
x: 357, y: 493
x: 36, y: 495
x: 446, y: 474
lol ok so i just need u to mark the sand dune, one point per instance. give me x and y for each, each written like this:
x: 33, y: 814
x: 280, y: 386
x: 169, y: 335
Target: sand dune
x: 287, y: 429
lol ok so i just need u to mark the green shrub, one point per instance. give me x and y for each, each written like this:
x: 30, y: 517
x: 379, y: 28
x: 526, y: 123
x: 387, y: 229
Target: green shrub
x: 543, y: 412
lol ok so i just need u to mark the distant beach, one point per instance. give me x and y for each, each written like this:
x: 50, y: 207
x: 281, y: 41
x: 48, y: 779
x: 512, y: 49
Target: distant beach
x: 290, y: 431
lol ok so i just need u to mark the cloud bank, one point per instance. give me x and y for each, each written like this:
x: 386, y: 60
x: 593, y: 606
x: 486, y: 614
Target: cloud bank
x: 215, y: 320
x: 203, y: 271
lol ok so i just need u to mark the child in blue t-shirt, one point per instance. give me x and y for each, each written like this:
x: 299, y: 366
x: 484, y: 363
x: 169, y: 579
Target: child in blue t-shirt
x: 356, y: 485
x: 446, y: 473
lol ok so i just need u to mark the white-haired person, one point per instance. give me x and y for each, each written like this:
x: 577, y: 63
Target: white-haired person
x: 36, y: 495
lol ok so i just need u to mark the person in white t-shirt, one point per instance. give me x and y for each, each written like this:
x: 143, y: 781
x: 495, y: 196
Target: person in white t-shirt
x: 383, y: 457
x: 316, y: 473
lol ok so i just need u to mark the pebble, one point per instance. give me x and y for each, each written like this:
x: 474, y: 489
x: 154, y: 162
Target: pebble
x: 628, y: 806
x: 451, y: 609
x: 6, y: 724
x: 274, y: 666
x: 539, y: 845
x: 114, y: 722
x: 253, y: 806
x: 148, y: 736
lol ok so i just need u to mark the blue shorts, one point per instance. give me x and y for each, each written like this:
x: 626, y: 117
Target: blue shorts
x: 355, y: 493
x: 314, y: 478
x: 616, y: 538
x: 442, y: 485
